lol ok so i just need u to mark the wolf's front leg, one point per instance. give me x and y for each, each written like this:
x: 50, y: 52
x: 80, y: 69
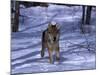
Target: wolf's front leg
x: 50, y: 51
x: 57, y: 53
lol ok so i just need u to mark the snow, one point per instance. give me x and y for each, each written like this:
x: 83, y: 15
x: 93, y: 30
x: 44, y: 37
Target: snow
x: 26, y: 44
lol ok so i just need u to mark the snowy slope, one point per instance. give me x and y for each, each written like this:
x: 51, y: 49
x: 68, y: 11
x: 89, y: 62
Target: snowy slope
x: 26, y: 44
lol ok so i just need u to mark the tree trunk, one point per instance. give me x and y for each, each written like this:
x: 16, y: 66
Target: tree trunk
x: 83, y: 19
x: 16, y: 18
x: 88, y: 15
x: 83, y: 14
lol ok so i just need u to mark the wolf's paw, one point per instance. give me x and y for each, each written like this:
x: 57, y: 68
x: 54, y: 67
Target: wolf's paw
x: 51, y: 62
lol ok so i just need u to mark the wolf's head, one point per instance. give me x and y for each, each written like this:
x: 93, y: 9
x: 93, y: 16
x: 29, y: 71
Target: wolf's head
x: 53, y: 32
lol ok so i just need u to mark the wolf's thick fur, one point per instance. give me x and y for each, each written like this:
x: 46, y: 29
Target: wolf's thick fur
x: 50, y: 40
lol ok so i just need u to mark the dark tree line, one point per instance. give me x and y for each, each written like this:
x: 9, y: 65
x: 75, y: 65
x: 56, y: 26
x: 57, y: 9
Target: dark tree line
x: 30, y: 4
x: 15, y: 6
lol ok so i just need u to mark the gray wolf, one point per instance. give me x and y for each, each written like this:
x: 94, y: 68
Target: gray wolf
x: 50, y: 40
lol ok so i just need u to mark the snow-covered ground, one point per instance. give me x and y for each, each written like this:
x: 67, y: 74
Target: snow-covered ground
x: 26, y: 44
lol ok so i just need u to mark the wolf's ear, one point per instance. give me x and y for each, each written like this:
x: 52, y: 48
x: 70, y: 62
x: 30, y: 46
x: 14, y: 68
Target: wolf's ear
x: 58, y: 26
x: 49, y: 25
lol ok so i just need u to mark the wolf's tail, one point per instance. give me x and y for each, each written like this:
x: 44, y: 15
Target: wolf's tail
x: 43, y: 46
